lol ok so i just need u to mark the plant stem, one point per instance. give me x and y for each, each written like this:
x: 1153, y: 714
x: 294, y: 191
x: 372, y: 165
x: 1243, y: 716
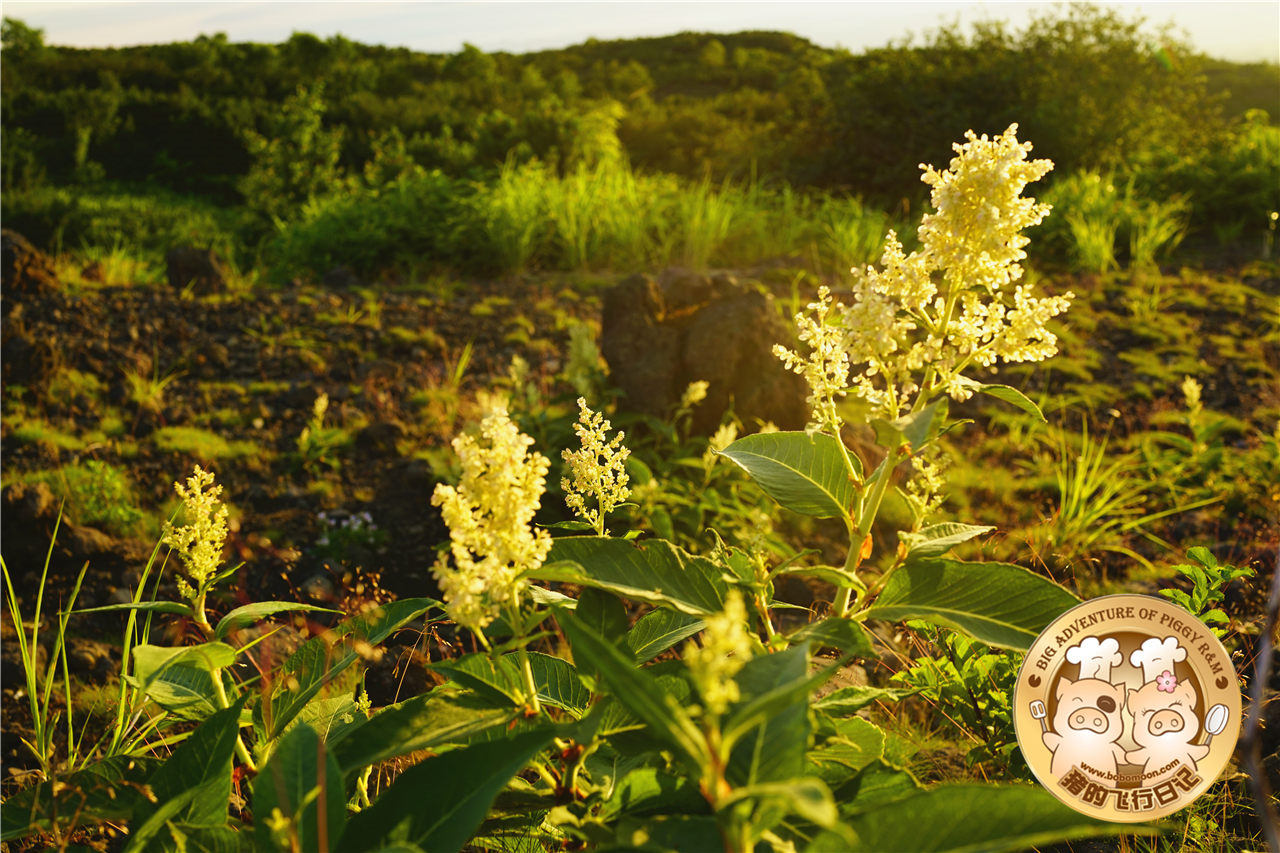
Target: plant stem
x: 241, y: 749
x: 530, y: 687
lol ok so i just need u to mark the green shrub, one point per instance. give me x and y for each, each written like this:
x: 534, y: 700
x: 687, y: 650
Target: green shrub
x: 152, y: 222
x: 96, y: 493
x: 409, y: 220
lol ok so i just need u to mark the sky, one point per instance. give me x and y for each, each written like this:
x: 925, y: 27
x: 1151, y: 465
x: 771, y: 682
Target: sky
x: 1240, y: 30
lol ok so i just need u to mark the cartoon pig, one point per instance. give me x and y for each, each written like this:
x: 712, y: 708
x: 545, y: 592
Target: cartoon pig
x: 1164, y: 724
x: 1086, y: 727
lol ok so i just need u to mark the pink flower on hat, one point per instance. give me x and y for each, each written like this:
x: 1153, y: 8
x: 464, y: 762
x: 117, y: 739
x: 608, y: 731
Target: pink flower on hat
x: 1166, y: 681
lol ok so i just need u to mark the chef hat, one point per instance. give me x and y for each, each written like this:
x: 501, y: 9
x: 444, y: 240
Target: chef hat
x: 1096, y: 657
x: 1157, y: 656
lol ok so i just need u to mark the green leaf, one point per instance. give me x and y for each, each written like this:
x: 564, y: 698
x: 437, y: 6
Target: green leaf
x: 498, y: 679
x: 774, y: 749
x: 913, y: 429
x: 251, y: 613
x: 638, y: 691
x: 557, y: 681
x: 423, y: 722
x: 647, y: 789
x: 1014, y: 397
x: 677, y: 833
x: 180, y: 679
x: 802, y: 472
x: 439, y: 803
x: 875, y: 783
x: 653, y: 571
x: 194, y: 785
x: 150, y: 661
x: 807, y: 797
x: 938, y: 539
x: 177, y: 607
x: 303, y: 781
x: 997, y: 603
x: 659, y: 630
x: 836, y: 633
x: 783, y: 692
x: 850, y: 700
x: 110, y: 789
x: 999, y: 818
x: 854, y: 745
x: 187, y: 691
x: 551, y: 598
x: 329, y: 716
x: 321, y: 659
x: 603, y: 612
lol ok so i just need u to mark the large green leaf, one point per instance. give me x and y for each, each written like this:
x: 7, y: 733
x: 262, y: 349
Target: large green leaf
x: 938, y: 539
x: 792, y: 686
x: 194, y: 785
x: 439, y: 803
x: 110, y: 789
x: 497, y: 679
x: 653, y: 571
x: 302, y: 781
x: 1015, y: 397
x: 802, y: 472
x: 875, y: 783
x: 774, y: 750
x: 321, y: 659
x: 422, y: 722
x: 557, y: 682
x: 180, y: 678
x: 843, y: 634
x: 807, y: 797
x: 853, y: 743
x: 659, y: 630
x: 556, y: 679
x: 250, y: 613
x: 998, y: 603
x: 640, y: 692
x: 913, y: 429
x: 187, y: 691
x: 850, y: 700
x: 973, y: 819
x: 645, y: 789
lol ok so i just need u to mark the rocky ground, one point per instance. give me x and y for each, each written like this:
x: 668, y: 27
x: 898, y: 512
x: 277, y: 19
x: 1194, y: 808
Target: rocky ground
x: 155, y: 379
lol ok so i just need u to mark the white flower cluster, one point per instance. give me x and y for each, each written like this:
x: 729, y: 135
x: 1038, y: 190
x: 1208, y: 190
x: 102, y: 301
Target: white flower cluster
x: 199, y: 543
x: 598, y: 469
x: 489, y: 516
x: 922, y: 319
x: 725, y: 649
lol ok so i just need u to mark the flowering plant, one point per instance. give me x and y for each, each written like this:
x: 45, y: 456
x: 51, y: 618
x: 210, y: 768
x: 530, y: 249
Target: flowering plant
x: 735, y: 715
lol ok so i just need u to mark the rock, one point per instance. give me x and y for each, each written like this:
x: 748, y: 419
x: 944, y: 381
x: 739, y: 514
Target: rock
x: 658, y: 336
x: 24, y: 269
x: 92, y: 660
x: 402, y: 508
x: 200, y: 269
x: 341, y: 278
x: 643, y: 353
x: 378, y: 440
x: 93, y: 271
x: 24, y: 358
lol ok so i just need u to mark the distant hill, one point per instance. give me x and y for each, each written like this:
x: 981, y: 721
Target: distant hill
x: 1083, y: 83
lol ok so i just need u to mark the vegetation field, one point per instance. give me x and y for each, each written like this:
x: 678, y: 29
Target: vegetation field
x: 635, y: 446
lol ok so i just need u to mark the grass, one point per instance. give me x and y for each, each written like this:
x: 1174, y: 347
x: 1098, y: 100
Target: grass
x: 606, y: 217
x: 201, y: 443
x: 96, y: 493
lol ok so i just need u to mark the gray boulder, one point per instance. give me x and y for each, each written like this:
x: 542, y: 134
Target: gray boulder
x: 658, y: 335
